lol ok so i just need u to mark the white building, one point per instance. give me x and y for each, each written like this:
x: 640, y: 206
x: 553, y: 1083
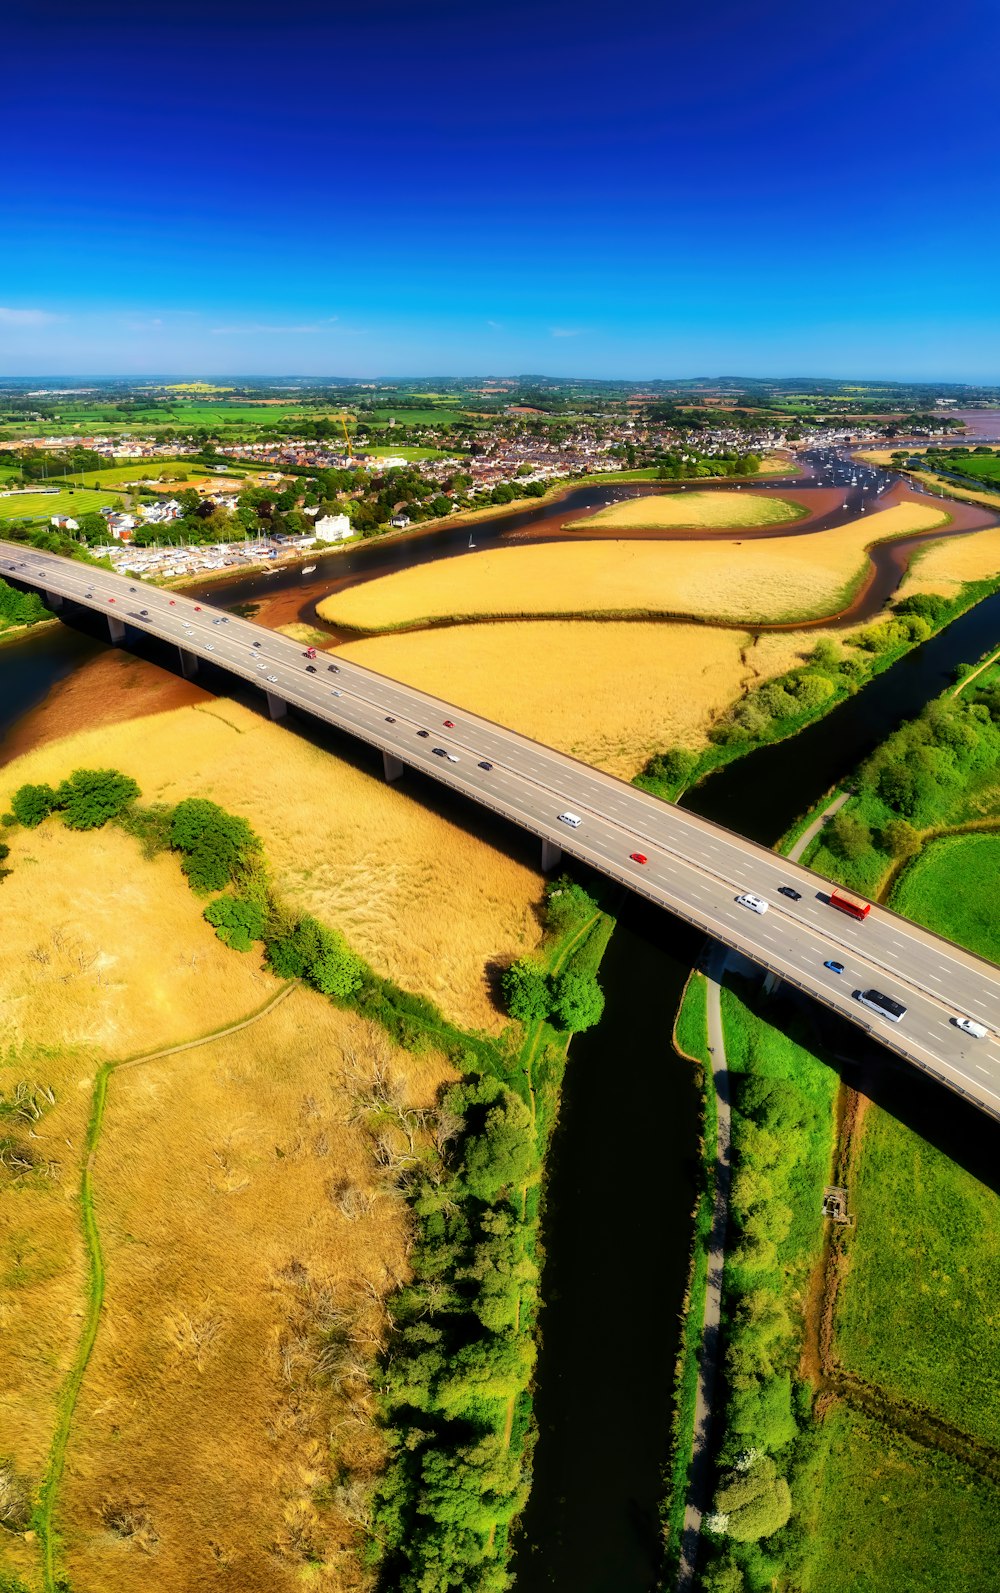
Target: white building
x: 333, y: 528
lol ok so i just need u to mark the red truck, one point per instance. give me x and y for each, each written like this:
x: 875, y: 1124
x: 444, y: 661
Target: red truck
x: 310, y: 652
x: 853, y: 905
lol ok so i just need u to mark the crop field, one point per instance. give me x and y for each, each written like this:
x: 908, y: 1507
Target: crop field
x: 561, y: 681
x: 428, y: 903
x: 771, y: 580
x: 661, y: 511
x: 943, y: 566
x: 446, y: 415
x: 918, y: 1312
x: 951, y: 888
x: 41, y: 505
x: 146, y: 470
x: 897, y: 1518
x: 202, y: 1433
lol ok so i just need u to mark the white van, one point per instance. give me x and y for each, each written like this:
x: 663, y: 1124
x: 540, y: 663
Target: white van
x: 970, y: 1026
x: 756, y: 904
x: 570, y: 818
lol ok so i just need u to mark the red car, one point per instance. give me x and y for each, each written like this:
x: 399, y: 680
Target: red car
x: 638, y: 857
x: 173, y: 600
x: 110, y: 599
x: 449, y: 724
x: 197, y: 608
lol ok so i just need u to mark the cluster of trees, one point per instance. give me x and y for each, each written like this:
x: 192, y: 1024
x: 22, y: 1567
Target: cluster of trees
x: 461, y: 1354
x: 572, y: 999
x: 780, y: 1135
x: 20, y: 608
x: 86, y: 800
x: 685, y: 465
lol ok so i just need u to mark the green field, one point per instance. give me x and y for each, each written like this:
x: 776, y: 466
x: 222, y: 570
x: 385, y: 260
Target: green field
x: 445, y: 416
x: 147, y: 470
x: 985, y: 467
x: 40, y: 506
x: 900, y: 1519
x: 919, y: 1312
x: 412, y: 454
x: 951, y: 888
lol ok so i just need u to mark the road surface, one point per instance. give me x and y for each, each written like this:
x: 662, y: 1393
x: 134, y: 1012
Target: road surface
x: 694, y: 868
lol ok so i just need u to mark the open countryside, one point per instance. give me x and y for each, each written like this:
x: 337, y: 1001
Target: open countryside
x: 499, y: 801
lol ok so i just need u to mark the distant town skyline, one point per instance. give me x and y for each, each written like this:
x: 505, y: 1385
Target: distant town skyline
x: 550, y: 188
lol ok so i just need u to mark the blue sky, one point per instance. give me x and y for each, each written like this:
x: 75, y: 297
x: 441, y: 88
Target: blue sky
x: 393, y: 189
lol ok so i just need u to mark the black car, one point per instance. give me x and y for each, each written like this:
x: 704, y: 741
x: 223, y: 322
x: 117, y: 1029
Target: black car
x: 144, y: 612
x: 333, y: 669
x: 389, y: 719
x: 439, y: 752
x: 311, y: 669
x: 258, y: 644
x: 485, y: 765
x: 787, y: 890
x: 424, y: 733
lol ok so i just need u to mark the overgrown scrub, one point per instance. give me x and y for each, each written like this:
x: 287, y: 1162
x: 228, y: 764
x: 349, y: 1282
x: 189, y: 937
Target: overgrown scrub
x: 832, y: 672
x: 782, y: 1131
x: 87, y: 799
x: 934, y: 773
x: 571, y: 996
x: 20, y: 608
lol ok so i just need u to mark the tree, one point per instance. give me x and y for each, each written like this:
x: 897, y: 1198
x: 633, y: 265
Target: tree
x: 89, y: 798
x: 673, y: 767
x: 526, y: 991
x: 213, y: 842
x: 30, y: 804
x: 236, y: 921
x: 501, y: 1154
x: 900, y: 839
x: 327, y: 960
x: 848, y: 836
x: 754, y: 1501
x: 578, y: 1001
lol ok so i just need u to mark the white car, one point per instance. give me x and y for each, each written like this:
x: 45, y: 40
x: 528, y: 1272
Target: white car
x: 978, y: 1031
x: 273, y: 679
x: 756, y: 904
x: 209, y: 647
x: 571, y: 819
x: 451, y: 757
x: 336, y: 693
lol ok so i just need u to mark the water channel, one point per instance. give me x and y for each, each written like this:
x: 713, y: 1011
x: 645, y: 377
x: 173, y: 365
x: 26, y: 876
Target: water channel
x: 621, y: 1177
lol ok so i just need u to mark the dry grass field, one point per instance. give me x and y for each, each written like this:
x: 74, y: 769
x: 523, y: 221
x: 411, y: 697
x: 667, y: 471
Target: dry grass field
x: 426, y: 901
x: 944, y: 566
x: 561, y: 680
x: 249, y: 1240
x: 660, y: 511
x: 769, y: 580
x: 245, y: 1227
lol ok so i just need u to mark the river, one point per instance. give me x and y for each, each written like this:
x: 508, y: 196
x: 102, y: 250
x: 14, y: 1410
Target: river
x: 621, y: 1178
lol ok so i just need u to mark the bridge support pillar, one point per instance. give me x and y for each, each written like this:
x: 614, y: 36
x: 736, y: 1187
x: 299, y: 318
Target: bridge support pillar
x: 116, y: 629
x: 392, y: 767
x: 276, y: 706
x: 772, y: 982
x: 551, y: 856
x: 189, y: 662
x: 53, y: 600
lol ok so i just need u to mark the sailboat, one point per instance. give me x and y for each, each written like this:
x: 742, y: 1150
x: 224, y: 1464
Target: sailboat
x: 308, y: 569
x: 471, y: 543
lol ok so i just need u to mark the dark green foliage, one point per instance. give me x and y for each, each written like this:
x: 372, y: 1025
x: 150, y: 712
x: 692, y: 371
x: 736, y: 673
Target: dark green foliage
x: 236, y: 921
x: 848, y: 835
x: 755, y: 1499
x: 20, y: 608
x: 567, y: 906
x: 89, y: 798
x: 526, y: 991
x: 214, y: 843
x: 500, y: 1155
x: 578, y: 1001
x: 327, y: 960
x: 30, y: 804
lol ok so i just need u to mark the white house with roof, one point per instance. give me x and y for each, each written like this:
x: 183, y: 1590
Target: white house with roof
x: 333, y: 528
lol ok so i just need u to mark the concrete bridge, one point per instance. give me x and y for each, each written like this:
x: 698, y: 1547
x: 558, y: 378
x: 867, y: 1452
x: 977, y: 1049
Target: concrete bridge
x: 686, y: 864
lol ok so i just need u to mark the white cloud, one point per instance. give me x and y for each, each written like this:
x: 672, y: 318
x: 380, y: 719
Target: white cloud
x: 565, y: 331
x: 25, y: 317
x: 495, y: 325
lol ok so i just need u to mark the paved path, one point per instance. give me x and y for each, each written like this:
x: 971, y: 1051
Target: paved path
x: 700, y: 1479
x: 795, y: 852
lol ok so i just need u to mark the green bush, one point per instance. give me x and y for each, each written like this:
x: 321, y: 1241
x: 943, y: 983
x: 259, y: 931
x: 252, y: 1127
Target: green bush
x: 526, y: 991
x: 236, y: 921
x: 90, y: 798
x: 578, y: 1001
x: 30, y: 804
x: 213, y: 843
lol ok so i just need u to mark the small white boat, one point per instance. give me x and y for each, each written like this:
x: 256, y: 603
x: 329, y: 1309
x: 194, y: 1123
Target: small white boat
x: 471, y: 543
x: 308, y: 569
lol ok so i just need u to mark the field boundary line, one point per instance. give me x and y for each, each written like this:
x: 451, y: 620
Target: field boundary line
x: 95, y: 1262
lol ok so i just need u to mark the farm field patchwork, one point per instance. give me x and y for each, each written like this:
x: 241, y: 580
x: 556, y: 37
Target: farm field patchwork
x: 774, y: 579
x: 690, y: 507
x: 561, y: 680
x: 356, y: 852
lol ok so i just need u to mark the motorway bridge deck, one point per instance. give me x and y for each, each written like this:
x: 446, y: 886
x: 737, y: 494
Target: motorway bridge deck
x: 692, y: 867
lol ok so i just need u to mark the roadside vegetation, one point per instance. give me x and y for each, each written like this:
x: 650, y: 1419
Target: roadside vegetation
x: 775, y: 580
x: 20, y: 609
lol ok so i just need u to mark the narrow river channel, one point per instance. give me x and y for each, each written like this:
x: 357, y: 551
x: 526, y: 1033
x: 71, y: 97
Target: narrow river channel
x: 620, y: 1185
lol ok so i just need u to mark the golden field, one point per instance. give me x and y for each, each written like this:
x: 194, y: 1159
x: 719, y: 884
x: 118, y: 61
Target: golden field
x: 770, y: 580
x: 688, y: 507
x: 243, y: 1221
x: 943, y: 566
x: 560, y: 681
x: 241, y: 1214
x: 425, y: 901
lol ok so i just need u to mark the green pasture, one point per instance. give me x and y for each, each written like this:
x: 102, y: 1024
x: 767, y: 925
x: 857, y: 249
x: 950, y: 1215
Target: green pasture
x: 445, y: 416
x: 951, y: 888
x: 893, y: 1517
x: 39, y: 506
x: 414, y: 455
x: 984, y: 467
x: 148, y: 470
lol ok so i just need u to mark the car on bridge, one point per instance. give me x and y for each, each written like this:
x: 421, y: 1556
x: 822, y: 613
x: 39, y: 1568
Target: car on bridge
x: 756, y: 904
x: 638, y: 857
x: 834, y: 967
x: 978, y: 1031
